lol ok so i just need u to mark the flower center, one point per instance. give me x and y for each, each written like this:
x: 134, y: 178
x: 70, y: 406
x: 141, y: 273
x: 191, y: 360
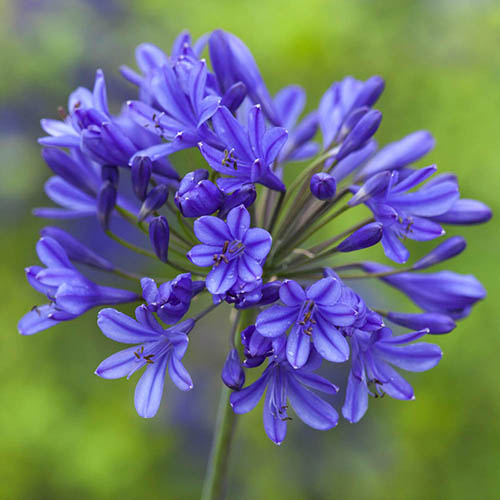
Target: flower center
x: 230, y: 250
x: 306, y: 317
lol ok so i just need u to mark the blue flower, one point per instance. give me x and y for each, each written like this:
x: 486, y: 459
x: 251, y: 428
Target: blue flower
x: 171, y: 300
x: 197, y: 195
x: 313, y: 314
x: 342, y: 100
x: 70, y: 293
x: 443, y: 292
x: 235, y: 251
x: 372, y: 373
x: 284, y: 384
x: 155, y: 348
x: 249, y: 154
x: 406, y: 214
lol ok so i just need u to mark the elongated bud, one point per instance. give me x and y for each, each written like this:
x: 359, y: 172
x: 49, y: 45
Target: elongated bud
x: 76, y: 250
x: 197, y: 195
x: 154, y: 200
x: 159, y: 235
x: 371, y: 187
x: 436, y: 323
x: 106, y: 200
x: 400, y: 153
x: 446, y: 250
x: 323, y: 186
x: 244, y: 196
x: 141, y: 170
x: 362, y: 131
x: 465, y: 212
x: 350, y: 122
x: 234, y: 96
x: 110, y: 173
x: 232, y: 372
x: 365, y: 237
x: 370, y: 92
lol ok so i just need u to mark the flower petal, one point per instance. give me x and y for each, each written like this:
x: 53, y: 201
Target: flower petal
x: 203, y: 255
x: 120, y: 364
x: 238, y: 222
x: 310, y: 408
x: 329, y: 342
x: 149, y: 389
x: 122, y: 328
x: 211, y: 230
x: 276, y: 320
x: 257, y: 243
x: 291, y: 293
x: 298, y: 347
x: 246, y: 400
x: 179, y: 375
x: 222, y: 277
x: 325, y: 291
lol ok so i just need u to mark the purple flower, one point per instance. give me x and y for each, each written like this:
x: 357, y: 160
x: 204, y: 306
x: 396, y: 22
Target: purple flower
x: 69, y: 292
x: 249, y: 154
x: 443, y: 292
x: 197, y: 195
x: 289, y: 104
x: 235, y: 251
x: 155, y: 348
x: 343, y: 99
x: 373, y: 355
x: 171, y: 300
x: 313, y: 314
x: 284, y: 384
x: 406, y: 214
x: 184, y: 102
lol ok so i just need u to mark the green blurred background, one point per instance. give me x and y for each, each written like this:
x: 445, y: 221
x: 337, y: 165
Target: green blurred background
x: 66, y: 434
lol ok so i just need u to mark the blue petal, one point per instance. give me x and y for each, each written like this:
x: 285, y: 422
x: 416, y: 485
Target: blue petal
x: 211, y: 231
x: 246, y: 400
x: 238, y: 222
x: 257, y: 243
x: 274, y: 425
x: 232, y: 133
x: 356, y: 399
x: 256, y: 130
x: 272, y: 143
x: 122, y: 328
x: 149, y: 389
x: 179, y: 375
x: 222, y: 277
x: 276, y: 320
x: 291, y: 293
x: 325, y: 291
x: 414, y: 357
x: 52, y: 254
x: 329, y: 342
x: 315, y: 381
x: 393, y: 248
x: 298, y: 347
x: 249, y: 270
x: 120, y: 364
x: 203, y: 255
x: 36, y: 320
x: 310, y: 408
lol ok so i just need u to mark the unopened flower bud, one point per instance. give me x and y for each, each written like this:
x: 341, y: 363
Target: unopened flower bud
x: 154, y: 200
x: 232, y: 372
x: 436, y: 323
x: 365, y: 237
x: 159, y: 235
x: 244, y: 196
x: 142, y: 167
x: 446, y: 250
x: 106, y: 200
x: 323, y: 186
x: 197, y: 195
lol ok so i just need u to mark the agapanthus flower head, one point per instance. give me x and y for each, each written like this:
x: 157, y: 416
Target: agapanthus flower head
x: 270, y: 245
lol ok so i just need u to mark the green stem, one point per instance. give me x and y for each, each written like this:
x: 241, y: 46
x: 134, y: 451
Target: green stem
x: 213, y: 487
x: 215, y: 477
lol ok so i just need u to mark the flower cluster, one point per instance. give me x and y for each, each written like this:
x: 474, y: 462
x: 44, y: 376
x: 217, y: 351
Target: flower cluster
x: 250, y: 244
